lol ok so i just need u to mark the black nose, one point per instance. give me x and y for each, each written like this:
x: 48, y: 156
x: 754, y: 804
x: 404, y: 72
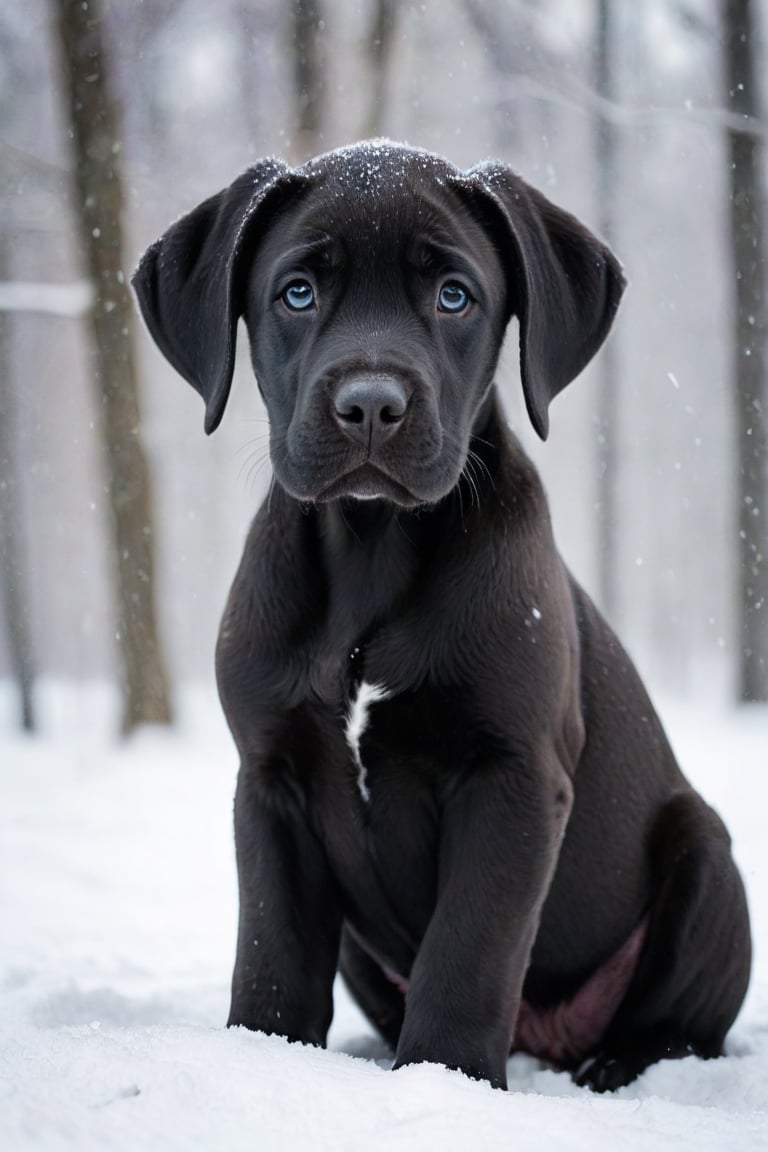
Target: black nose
x: 370, y: 409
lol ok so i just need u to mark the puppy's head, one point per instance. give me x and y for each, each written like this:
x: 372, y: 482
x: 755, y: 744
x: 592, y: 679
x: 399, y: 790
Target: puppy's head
x: 376, y: 283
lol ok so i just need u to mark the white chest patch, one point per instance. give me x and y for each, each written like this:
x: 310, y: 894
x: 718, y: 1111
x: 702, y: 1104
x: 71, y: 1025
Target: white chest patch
x: 357, y: 722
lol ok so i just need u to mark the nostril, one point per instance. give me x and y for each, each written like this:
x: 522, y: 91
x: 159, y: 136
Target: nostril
x: 371, y: 401
x: 352, y: 414
x: 390, y: 416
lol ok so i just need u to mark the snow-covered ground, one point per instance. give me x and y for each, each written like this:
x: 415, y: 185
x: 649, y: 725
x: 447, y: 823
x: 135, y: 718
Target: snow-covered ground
x: 117, y: 921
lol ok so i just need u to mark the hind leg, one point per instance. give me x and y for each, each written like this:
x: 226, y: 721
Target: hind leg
x: 379, y: 998
x: 694, y: 969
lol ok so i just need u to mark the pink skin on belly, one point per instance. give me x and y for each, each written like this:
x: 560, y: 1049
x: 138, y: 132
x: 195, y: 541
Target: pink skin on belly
x: 565, y: 1033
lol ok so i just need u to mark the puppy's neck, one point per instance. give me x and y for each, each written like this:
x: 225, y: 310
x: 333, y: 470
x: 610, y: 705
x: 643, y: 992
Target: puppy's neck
x: 374, y: 552
x: 369, y: 558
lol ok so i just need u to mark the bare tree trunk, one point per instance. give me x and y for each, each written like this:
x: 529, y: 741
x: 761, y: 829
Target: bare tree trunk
x: 380, y: 43
x: 487, y: 18
x: 99, y: 204
x: 255, y: 23
x: 13, y: 575
x: 746, y: 208
x: 608, y: 403
x: 309, y: 76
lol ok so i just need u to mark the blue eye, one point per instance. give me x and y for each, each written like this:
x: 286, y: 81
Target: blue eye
x: 299, y: 296
x: 452, y: 297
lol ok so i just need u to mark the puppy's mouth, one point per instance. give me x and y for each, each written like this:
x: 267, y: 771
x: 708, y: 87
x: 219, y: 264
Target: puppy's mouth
x: 368, y: 482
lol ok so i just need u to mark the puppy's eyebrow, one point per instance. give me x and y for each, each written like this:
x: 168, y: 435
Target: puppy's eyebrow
x: 439, y: 250
x: 315, y: 249
x: 438, y: 239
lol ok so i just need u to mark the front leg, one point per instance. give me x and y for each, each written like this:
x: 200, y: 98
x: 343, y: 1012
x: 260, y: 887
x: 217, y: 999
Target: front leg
x: 290, y: 918
x: 501, y: 830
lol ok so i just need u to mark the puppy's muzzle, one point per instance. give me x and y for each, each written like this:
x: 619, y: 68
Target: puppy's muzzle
x: 370, y: 409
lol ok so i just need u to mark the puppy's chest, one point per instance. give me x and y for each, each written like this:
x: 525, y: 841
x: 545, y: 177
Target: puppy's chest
x: 378, y: 807
x: 390, y: 732
x: 362, y: 698
x: 412, y: 729
x: 389, y: 756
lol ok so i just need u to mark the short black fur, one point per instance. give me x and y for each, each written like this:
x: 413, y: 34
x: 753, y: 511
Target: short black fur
x: 453, y: 784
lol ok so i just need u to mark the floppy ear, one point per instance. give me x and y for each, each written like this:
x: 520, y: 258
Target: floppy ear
x: 188, y: 288
x: 565, y: 285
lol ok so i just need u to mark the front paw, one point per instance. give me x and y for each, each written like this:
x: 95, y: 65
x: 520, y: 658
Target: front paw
x: 277, y: 1023
x: 480, y: 1068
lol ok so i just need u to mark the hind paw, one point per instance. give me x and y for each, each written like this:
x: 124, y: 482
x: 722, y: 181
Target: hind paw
x: 607, y: 1071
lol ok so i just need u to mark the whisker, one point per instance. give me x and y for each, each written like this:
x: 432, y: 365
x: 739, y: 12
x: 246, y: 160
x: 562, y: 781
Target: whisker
x: 258, y: 452
x: 253, y: 472
x: 480, y: 463
x: 347, y: 523
x: 469, y: 477
x: 255, y: 442
x: 401, y: 528
x: 461, y: 499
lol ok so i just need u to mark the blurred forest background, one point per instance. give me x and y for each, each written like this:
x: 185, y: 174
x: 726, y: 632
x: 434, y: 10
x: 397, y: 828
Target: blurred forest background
x: 121, y: 524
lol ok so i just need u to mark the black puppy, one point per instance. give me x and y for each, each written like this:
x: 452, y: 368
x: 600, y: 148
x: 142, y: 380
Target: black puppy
x: 453, y: 784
